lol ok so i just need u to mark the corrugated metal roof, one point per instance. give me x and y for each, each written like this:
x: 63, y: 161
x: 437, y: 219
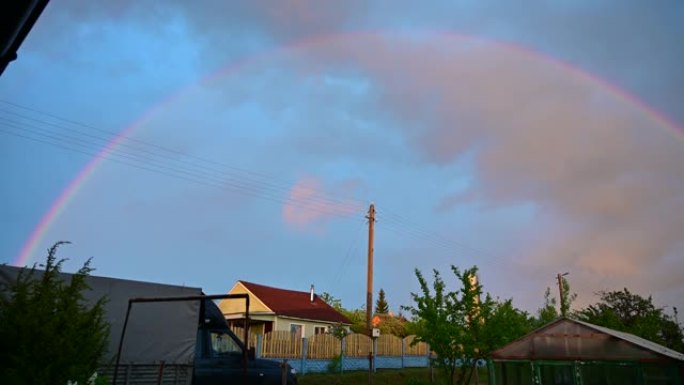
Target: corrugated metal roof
x: 631, y: 338
x: 565, y: 339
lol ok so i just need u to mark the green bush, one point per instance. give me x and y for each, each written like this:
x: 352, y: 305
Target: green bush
x: 48, y: 334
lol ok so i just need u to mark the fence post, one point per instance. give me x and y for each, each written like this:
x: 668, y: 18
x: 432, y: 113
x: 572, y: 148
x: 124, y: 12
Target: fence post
x: 342, y: 352
x: 403, y: 351
x: 374, y: 347
x: 305, y: 349
x: 259, y: 345
x: 429, y: 362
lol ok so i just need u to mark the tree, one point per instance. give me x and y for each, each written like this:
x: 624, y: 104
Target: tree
x: 357, y: 318
x: 567, y: 299
x: 460, y: 326
x: 49, y: 335
x: 393, y: 324
x: 332, y: 301
x: 339, y: 331
x: 632, y: 313
x: 548, y: 312
x: 381, y: 306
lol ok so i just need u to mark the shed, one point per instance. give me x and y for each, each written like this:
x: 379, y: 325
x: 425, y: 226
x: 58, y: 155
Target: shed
x: 571, y: 352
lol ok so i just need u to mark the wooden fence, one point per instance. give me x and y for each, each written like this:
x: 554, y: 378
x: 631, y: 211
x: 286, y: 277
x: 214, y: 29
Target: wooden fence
x: 281, y: 344
x: 389, y: 345
x: 240, y: 333
x: 284, y: 344
x: 417, y: 349
x: 357, y: 345
x: 324, y: 346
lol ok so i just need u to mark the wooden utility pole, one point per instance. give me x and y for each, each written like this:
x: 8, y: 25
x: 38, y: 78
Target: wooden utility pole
x: 369, y: 289
x: 560, y: 292
x: 369, y: 283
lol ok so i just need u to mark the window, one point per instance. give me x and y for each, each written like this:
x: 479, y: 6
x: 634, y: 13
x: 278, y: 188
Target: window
x: 223, y: 344
x: 320, y: 330
x: 297, y: 329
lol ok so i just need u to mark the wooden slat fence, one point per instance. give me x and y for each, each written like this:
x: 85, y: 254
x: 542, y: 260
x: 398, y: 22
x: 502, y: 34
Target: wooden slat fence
x: 285, y: 344
x: 419, y: 349
x: 282, y: 344
x: 357, y: 345
x: 240, y: 333
x: 388, y: 345
x: 324, y: 346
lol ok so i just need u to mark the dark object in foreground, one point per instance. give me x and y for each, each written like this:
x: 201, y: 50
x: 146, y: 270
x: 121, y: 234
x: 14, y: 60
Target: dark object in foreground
x: 173, y: 334
x: 16, y: 20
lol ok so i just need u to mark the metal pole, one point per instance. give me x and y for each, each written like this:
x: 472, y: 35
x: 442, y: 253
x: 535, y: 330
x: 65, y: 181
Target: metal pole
x: 123, y: 333
x: 283, y: 372
x: 160, y: 376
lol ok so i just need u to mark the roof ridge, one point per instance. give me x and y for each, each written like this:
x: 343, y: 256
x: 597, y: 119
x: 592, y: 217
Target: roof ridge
x: 273, y: 287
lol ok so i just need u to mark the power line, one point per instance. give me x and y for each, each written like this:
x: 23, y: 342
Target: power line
x: 310, y: 204
x: 402, y: 221
x: 144, y: 146
x: 172, y: 167
x: 352, y: 251
x: 158, y: 159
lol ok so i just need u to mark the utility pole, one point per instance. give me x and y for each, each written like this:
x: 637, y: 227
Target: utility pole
x: 560, y: 290
x: 369, y: 283
x: 369, y: 288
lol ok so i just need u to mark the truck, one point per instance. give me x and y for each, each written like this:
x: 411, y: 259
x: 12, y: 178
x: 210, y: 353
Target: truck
x: 170, y: 334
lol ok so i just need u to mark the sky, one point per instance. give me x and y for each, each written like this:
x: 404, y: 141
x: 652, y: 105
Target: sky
x: 201, y: 143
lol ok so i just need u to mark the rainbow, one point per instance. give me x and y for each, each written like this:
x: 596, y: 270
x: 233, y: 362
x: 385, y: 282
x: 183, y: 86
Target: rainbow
x: 67, y: 195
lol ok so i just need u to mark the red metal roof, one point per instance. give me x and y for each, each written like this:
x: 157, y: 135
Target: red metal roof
x: 295, y: 303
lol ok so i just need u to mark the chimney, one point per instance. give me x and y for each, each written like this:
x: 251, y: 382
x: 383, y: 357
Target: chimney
x: 311, y: 297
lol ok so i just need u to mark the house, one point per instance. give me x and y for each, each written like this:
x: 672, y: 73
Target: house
x: 570, y: 352
x: 273, y: 309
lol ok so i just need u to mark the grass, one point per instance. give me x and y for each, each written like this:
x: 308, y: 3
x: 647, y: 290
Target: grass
x: 417, y: 376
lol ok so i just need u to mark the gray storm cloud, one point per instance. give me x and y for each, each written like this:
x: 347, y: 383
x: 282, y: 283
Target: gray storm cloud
x: 599, y: 36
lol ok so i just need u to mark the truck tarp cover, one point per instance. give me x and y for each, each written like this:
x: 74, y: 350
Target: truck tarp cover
x: 159, y: 331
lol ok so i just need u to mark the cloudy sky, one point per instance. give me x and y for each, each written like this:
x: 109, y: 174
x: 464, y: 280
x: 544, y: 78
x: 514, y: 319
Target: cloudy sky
x: 204, y: 142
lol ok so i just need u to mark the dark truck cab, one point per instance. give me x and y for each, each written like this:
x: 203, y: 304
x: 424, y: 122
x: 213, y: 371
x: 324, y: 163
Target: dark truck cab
x: 222, y: 358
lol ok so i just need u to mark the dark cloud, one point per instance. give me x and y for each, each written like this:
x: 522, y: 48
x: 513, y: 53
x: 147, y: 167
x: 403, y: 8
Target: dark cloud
x: 632, y: 44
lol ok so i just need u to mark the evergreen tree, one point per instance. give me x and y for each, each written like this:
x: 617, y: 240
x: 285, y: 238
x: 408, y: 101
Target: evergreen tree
x: 48, y: 334
x: 381, y: 306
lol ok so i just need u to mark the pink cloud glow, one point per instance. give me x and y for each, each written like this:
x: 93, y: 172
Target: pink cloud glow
x: 309, y: 204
